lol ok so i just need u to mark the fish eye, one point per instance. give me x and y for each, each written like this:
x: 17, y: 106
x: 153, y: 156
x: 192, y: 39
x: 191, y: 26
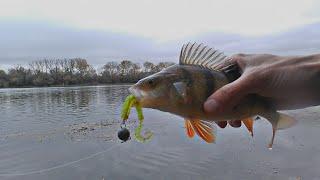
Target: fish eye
x: 151, y: 82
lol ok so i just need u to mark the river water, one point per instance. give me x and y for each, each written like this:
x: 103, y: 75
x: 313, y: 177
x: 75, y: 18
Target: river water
x: 71, y: 133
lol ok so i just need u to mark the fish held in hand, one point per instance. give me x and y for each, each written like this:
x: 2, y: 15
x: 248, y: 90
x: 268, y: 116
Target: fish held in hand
x: 182, y: 89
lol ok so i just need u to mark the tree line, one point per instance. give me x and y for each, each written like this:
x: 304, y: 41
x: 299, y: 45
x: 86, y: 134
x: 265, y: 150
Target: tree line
x: 76, y: 71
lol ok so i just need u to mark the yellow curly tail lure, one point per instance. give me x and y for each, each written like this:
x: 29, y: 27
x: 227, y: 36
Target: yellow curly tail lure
x: 126, y: 107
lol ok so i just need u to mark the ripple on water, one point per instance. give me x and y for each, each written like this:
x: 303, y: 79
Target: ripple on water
x: 45, y: 127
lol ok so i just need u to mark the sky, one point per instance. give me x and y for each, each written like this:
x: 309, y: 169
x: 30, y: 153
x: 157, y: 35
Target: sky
x: 139, y: 30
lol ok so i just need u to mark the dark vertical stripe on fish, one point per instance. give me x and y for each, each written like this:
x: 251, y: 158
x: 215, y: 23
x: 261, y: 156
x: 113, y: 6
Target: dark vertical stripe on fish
x: 232, y: 72
x: 209, y: 78
x: 187, y: 75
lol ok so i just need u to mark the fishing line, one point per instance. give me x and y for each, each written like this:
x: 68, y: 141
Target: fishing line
x: 58, y: 166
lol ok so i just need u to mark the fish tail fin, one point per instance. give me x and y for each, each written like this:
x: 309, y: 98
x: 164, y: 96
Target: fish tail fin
x: 278, y: 121
x: 285, y: 121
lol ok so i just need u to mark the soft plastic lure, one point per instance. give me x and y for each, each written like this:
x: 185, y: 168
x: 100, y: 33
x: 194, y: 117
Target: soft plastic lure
x: 126, y: 107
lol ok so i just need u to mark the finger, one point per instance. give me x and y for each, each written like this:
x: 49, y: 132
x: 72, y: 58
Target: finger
x: 225, y: 98
x: 236, y: 59
x: 235, y: 123
x: 222, y: 124
x: 230, y: 61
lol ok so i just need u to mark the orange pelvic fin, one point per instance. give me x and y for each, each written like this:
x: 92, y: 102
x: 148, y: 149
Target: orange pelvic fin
x: 204, y: 129
x: 248, y: 122
x: 189, y: 129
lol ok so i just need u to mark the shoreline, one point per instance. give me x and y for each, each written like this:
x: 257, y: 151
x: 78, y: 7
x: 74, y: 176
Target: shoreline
x: 62, y: 86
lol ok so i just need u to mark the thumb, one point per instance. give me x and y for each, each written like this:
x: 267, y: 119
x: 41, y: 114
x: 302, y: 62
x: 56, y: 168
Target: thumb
x: 227, y: 97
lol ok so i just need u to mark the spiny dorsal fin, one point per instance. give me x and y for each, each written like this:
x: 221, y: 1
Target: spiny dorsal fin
x: 200, y: 55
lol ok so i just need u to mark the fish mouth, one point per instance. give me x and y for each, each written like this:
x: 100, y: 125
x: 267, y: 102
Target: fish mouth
x: 138, y: 94
x: 145, y: 98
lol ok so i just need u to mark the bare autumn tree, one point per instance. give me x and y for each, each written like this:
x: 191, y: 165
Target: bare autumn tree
x: 81, y: 65
x: 55, y: 71
x: 124, y: 68
x: 82, y: 68
x: 110, y: 72
x: 148, y: 66
x: 136, y: 69
x: 19, y: 76
x: 60, y: 72
x: 46, y: 64
x: 163, y: 65
x: 4, y: 79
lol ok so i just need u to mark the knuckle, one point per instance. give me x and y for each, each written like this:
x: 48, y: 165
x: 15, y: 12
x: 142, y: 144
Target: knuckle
x: 240, y: 59
x: 239, y: 55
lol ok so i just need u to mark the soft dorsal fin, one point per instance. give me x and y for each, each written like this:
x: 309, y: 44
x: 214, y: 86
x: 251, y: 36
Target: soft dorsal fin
x: 203, y: 129
x: 200, y: 55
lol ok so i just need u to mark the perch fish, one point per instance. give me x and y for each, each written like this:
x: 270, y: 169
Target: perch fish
x: 183, y: 88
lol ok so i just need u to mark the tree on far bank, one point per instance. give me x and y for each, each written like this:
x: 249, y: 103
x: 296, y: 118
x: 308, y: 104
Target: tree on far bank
x: 76, y: 71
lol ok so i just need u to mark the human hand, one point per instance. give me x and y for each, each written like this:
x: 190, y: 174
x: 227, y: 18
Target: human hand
x: 233, y: 123
x: 289, y: 82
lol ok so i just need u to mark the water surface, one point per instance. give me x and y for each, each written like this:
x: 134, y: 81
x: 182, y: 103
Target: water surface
x: 70, y: 133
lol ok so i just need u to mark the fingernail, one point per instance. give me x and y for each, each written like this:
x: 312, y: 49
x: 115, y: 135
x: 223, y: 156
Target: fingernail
x: 211, y: 106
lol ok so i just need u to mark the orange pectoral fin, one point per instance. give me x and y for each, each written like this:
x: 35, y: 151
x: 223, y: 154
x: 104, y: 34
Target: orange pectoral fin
x: 204, y: 129
x: 248, y: 122
x: 189, y: 129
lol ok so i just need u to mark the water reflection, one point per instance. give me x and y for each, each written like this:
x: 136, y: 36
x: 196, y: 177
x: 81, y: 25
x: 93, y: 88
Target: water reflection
x: 48, y: 127
x: 40, y: 108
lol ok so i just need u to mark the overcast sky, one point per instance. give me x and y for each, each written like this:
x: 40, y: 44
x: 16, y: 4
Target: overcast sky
x: 153, y: 30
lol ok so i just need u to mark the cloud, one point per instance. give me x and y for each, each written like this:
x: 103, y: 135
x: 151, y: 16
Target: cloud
x: 296, y: 41
x: 22, y: 42
x: 25, y: 41
x: 164, y: 20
